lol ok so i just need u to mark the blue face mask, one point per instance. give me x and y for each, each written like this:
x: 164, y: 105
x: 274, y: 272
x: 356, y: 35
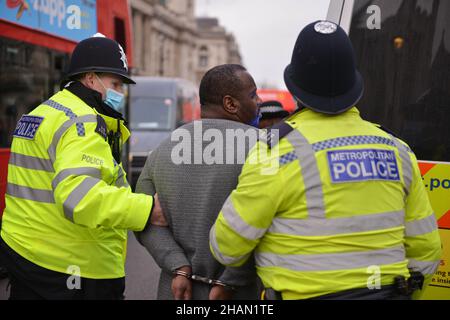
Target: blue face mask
x: 114, y: 99
x: 255, y: 121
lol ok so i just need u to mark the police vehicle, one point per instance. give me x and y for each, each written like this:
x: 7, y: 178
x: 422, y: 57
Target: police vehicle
x: 403, y: 52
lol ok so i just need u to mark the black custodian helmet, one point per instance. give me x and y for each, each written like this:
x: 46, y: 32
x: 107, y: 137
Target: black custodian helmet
x: 99, y: 54
x: 322, y: 73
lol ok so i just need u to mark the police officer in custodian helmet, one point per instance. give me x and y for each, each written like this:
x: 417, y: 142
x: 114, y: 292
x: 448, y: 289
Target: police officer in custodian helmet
x: 345, y: 215
x: 68, y: 202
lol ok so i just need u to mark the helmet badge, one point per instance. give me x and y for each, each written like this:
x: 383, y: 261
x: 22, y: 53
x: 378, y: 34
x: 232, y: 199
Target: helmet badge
x: 325, y: 27
x: 123, y: 58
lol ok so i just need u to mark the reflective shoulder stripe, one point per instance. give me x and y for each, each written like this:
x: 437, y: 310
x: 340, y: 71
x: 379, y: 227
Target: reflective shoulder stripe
x: 310, y: 173
x: 69, y: 113
x: 331, y: 261
x: 38, y: 195
x: 219, y: 256
x: 423, y: 226
x: 406, y: 164
x: 336, y: 226
x: 121, y: 181
x: 77, y: 195
x: 64, y: 127
x: 238, y: 225
x: 85, y: 171
x: 425, y: 267
x: 30, y: 162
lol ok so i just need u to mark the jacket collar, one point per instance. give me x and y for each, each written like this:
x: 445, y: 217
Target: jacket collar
x: 306, y: 113
x: 93, y: 99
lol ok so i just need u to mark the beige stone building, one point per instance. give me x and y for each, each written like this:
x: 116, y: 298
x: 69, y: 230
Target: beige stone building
x: 214, y: 46
x: 169, y: 41
x: 164, y: 35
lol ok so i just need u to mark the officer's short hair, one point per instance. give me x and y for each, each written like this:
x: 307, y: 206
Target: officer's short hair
x: 219, y: 82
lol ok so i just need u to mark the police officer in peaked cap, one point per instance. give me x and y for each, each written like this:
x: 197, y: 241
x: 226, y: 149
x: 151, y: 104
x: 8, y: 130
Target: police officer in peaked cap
x: 344, y: 213
x: 272, y: 112
x: 68, y: 202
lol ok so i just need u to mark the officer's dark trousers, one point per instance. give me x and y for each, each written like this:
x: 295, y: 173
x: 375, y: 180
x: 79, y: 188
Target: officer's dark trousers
x: 29, y: 281
x: 385, y: 293
x: 3, y: 273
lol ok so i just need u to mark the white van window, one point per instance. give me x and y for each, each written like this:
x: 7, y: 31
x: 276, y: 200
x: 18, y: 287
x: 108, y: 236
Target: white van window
x: 150, y: 113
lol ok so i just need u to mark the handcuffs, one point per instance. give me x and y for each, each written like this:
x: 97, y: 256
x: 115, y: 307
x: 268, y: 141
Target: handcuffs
x: 211, y: 282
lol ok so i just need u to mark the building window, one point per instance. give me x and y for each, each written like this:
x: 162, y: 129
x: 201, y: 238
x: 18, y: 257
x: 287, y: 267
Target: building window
x: 119, y: 32
x: 203, y: 57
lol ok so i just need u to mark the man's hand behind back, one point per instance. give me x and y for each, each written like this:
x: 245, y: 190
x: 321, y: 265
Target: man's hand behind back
x: 182, y: 286
x: 220, y: 293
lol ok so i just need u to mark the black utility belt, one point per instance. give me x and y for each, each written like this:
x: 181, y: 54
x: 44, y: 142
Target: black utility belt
x: 401, y: 286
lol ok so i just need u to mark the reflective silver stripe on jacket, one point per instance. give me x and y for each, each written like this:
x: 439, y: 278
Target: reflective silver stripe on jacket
x: 425, y: 267
x: 121, y: 181
x: 38, y: 195
x: 310, y: 174
x: 423, y: 226
x: 406, y: 163
x: 86, y: 171
x: 335, y: 226
x: 331, y: 261
x: 64, y: 127
x: 77, y: 195
x: 30, y: 162
x: 238, y: 225
x: 219, y: 256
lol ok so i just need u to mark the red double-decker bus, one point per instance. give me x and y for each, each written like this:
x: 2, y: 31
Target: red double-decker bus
x: 282, y: 96
x: 36, y: 39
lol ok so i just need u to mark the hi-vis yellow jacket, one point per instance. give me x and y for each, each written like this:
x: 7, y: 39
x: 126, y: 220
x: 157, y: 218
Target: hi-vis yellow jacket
x: 68, y: 203
x: 345, y: 208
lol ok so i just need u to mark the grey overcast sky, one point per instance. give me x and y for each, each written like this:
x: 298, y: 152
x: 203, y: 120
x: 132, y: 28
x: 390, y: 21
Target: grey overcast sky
x: 266, y: 30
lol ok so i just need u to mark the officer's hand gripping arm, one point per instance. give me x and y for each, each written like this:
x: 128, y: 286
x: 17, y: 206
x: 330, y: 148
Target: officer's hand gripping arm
x: 158, y: 241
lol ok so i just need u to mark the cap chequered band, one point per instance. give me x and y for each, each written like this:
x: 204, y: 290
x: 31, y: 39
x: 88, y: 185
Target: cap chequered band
x: 271, y: 109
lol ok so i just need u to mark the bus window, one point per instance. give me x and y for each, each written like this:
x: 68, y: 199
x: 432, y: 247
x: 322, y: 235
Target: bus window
x: 405, y: 62
x: 119, y: 32
x: 29, y: 74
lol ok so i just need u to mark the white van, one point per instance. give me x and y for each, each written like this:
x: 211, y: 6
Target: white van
x: 157, y: 107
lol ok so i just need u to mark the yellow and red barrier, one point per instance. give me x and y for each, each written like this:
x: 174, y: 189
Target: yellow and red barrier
x: 436, y: 177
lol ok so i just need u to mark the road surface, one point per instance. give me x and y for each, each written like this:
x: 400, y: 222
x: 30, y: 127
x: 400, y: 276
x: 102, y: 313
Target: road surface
x: 142, y: 274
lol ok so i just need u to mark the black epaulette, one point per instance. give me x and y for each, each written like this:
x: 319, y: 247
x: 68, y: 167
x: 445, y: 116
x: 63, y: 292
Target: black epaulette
x: 101, y: 128
x: 283, y: 129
